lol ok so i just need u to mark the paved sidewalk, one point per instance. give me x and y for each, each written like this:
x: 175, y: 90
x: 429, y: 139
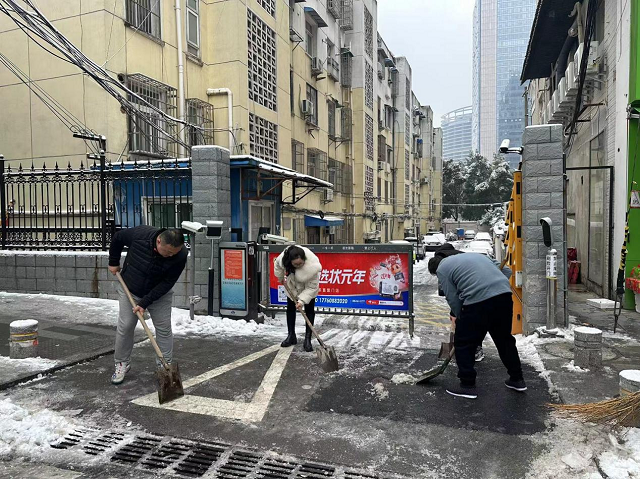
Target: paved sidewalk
x: 66, y: 335
x: 620, y: 351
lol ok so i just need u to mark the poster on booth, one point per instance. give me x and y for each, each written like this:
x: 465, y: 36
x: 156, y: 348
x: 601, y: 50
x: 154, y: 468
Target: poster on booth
x: 355, y: 280
x: 232, y: 280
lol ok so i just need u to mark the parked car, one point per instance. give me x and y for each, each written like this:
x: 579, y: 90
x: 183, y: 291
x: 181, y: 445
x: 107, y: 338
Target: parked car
x: 433, y: 241
x: 481, y: 247
x: 482, y: 236
x: 405, y: 242
x: 469, y: 234
x: 418, y: 247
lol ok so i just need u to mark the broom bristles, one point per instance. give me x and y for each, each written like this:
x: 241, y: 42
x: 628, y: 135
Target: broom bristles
x: 620, y: 411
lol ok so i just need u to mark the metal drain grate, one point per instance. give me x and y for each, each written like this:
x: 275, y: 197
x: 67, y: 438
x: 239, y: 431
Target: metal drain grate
x: 134, y: 451
x: 200, y: 460
x: 185, y: 458
x: 103, y: 442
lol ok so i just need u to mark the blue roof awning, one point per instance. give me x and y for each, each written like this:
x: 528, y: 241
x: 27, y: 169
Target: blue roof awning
x: 316, y: 16
x: 313, y: 220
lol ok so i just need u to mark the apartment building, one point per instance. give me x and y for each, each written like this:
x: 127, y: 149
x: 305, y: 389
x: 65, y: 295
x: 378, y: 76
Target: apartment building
x: 598, y: 152
x: 289, y: 82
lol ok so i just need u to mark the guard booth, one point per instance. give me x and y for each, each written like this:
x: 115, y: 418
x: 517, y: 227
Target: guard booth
x: 356, y: 280
x: 256, y: 194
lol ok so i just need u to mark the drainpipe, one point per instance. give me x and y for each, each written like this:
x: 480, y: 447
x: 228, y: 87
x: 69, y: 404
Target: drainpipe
x: 229, y: 93
x: 180, y: 73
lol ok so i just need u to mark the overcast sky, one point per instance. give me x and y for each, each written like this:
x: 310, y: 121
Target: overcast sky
x: 436, y: 37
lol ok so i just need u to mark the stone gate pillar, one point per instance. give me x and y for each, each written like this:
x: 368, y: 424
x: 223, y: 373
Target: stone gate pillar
x: 542, y: 196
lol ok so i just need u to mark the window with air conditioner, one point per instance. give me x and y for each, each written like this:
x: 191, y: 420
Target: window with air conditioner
x: 193, y: 27
x: 144, y: 16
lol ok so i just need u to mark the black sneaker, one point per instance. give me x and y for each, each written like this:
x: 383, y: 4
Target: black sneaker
x: 519, y: 385
x: 469, y: 392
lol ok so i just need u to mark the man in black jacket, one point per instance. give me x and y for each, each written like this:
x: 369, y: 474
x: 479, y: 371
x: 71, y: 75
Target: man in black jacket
x: 155, y: 259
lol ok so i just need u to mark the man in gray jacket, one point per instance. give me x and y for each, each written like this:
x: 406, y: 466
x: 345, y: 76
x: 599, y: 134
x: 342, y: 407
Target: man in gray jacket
x: 479, y: 296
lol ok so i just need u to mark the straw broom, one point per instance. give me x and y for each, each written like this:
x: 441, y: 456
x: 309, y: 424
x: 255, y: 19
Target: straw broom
x: 620, y: 411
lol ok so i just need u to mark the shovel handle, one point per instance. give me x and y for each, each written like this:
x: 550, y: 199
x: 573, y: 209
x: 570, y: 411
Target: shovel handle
x: 304, y: 315
x: 142, y: 321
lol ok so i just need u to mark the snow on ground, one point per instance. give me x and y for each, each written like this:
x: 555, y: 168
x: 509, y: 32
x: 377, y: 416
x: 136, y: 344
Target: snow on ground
x: 574, y: 449
x: 421, y: 275
x: 576, y: 369
x: 26, y: 433
x: 29, y: 365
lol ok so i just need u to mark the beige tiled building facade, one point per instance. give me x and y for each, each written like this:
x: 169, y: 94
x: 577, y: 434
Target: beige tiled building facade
x: 311, y: 84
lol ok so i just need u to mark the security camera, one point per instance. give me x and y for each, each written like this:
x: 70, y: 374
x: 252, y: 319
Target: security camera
x: 214, y: 229
x: 192, y: 226
x: 504, y: 146
x: 547, y: 236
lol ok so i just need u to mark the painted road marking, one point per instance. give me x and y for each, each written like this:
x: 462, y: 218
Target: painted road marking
x: 253, y: 411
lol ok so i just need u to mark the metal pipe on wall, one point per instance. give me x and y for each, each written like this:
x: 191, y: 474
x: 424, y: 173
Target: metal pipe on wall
x: 181, y: 99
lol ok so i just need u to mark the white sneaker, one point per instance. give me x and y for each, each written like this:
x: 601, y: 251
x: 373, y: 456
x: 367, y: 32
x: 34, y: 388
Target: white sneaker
x: 479, y: 354
x: 121, y: 370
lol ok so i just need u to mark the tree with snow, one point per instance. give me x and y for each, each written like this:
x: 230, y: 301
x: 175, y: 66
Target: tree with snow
x: 453, y: 181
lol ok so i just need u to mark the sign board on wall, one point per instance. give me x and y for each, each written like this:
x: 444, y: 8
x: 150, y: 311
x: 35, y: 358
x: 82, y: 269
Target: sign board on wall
x: 233, y: 279
x: 357, y: 278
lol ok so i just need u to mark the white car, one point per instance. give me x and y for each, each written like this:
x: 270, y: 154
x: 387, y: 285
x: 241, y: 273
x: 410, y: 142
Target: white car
x: 433, y: 241
x: 469, y: 234
x: 481, y: 247
x: 482, y: 236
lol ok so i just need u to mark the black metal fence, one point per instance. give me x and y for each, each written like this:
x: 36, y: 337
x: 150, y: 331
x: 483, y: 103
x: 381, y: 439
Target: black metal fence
x: 80, y: 208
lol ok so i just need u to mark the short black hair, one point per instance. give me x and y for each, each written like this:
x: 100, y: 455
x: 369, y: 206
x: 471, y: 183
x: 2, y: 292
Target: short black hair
x: 172, y: 237
x: 434, y: 263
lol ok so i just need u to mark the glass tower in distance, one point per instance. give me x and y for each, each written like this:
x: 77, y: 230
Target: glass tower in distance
x: 456, y: 134
x: 500, y: 37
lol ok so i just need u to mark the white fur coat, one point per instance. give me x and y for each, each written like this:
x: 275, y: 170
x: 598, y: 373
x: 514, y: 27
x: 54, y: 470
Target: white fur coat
x: 305, y: 282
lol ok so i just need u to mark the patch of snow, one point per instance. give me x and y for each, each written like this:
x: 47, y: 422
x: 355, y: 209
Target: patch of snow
x: 587, y: 330
x: 28, y: 365
x: 29, y: 434
x: 572, y: 367
x: 421, y: 275
x: 380, y: 392
x: 529, y: 354
x: 403, y: 378
x: 632, y: 375
x: 24, y: 323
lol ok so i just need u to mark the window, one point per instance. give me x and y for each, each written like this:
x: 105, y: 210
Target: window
x: 262, y: 62
x: 346, y: 179
x: 149, y: 130
x: 193, y: 27
x: 331, y: 105
x: 312, y: 96
x: 310, y: 43
x: 333, y: 175
x: 200, y: 119
x: 407, y: 129
x: 379, y: 188
x: 297, y: 156
x: 407, y: 166
x: 144, y: 15
x: 386, y: 192
x: 316, y: 163
x: 407, y: 195
x: 165, y: 212
x: 346, y: 118
x: 263, y: 138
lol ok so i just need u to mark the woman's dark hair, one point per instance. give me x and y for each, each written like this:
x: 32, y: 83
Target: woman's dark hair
x: 292, y: 253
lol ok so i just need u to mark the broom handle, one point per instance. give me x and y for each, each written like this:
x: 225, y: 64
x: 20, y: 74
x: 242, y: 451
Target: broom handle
x: 304, y: 315
x: 141, y: 318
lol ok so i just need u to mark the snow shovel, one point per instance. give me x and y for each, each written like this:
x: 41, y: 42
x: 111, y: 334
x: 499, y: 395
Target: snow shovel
x: 169, y: 382
x: 327, y: 356
x: 447, y: 351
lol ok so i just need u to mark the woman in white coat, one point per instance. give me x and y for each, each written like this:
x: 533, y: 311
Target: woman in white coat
x: 300, y: 268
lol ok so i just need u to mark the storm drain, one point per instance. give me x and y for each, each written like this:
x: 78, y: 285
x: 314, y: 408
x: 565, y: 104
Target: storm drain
x: 174, y: 457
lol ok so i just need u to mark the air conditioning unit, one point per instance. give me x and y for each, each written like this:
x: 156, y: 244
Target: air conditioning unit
x: 424, y: 181
x: 328, y: 194
x: 381, y: 71
x: 564, y: 102
x: 316, y: 66
x: 381, y: 165
x: 387, y: 168
x: 307, y: 108
x: 593, y: 59
x: 572, y: 80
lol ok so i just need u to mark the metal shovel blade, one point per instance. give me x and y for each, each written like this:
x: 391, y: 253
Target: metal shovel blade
x: 327, y: 358
x: 435, y: 371
x: 445, y: 348
x: 169, y: 383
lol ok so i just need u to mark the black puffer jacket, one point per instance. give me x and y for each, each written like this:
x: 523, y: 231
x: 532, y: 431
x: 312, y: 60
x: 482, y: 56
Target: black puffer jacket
x: 148, y: 274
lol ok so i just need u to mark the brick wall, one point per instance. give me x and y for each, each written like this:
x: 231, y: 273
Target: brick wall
x: 68, y: 274
x: 542, y: 196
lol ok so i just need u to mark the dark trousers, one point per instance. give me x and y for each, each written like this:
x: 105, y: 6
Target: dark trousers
x: 494, y: 316
x: 309, y: 309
